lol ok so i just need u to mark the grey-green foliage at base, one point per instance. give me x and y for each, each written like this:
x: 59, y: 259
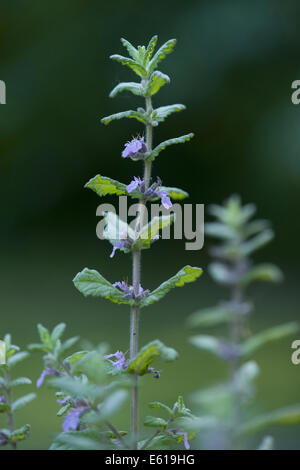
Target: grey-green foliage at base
x: 229, y: 403
x: 91, y: 387
x: 10, y: 435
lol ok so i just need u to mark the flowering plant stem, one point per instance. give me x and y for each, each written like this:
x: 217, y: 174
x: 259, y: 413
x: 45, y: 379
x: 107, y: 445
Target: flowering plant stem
x: 136, y: 280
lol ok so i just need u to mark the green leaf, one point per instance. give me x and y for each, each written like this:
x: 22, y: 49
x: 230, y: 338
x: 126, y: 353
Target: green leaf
x: 102, y: 185
x: 156, y: 81
x: 22, y: 401
x: 264, y: 273
x: 283, y: 417
x: 155, y: 422
x: 150, y: 231
x: 117, y: 230
x: 90, y: 283
x: 160, y: 114
x: 210, y: 317
x: 137, y: 68
x: 16, y: 358
x: 20, y: 381
x: 39, y: 347
x: 44, y: 335
x: 63, y: 410
x: 58, y: 332
x: 141, y: 117
x: 132, y: 51
x: 221, y: 273
x: 133, y: 87
x: 158, y: 404
x: 184, y: 276
x: 177, y: 140
x: 206, y: 343
x: 162, y: 52
x: 257, y: 242
x: 4, y: 408
x: 68, y: 344
x: 78, y: 440
x: 73, y: 386
x: 140, y: 363
x: 112, y: 404
x: 175, y: 193
x: 150, y: 49
x: 20, y: 434
x: 160, y: 442
x: 219, y: 230
x: 75, y: 358
x: 272, y: 334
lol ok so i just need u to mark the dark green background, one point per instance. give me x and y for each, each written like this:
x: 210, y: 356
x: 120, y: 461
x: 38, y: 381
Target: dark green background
x: 233, y: 68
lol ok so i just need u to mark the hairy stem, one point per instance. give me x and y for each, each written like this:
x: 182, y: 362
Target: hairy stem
x: 136, y: 280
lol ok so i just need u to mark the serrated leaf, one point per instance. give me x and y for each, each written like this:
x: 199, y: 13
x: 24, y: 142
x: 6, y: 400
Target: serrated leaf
x: 150, y: 231
x: 91, y: 283
x: 102, y: 185
x: 282, y: 417
x: 134, y: 88
x: 276, y: 333
x: 20, y: 381
x: 150, y: 49
x: 162, y: 52
x: 158, y: 404
x: 137, y: 68
x: 263, y: 273
x: 176, y: 140
x: 22, y: 401
x: 160, y: 114
x: 155, y: 422
x: 58, y: 332
x: 156, y: 81
x: 132, y: 51
x: 140, y: 363
x: 131, y: 114
x: 184, y: 276
x: 20, y: 434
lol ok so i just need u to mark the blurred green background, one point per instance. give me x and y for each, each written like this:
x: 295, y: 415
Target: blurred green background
x: 233, y: 67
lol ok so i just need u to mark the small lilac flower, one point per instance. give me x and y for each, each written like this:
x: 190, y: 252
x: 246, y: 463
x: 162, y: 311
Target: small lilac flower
x: 165, y: 200
x: 72, y: 419
x: 135, y: 183
x: 116, y: 247
x: 134, y: 147
x: 156, y: 373
x: 120, y: 362
x: 185, y: 439
x: 64, y: 401
x: 129, y: 290
x: 1, y: 399
x: 43, y: 375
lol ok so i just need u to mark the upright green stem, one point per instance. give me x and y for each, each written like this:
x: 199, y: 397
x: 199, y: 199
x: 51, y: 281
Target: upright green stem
x: 136, y: 280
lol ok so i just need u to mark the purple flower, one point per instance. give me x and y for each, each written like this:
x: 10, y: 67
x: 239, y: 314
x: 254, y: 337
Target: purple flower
x: 72, y: 419
x: 129, y: 290
x: 64, y: 401
x: 185, y: 435
x: 165, y: 200
x: 185, y: 439
x: 120, y: 362
x: 134, y: 147
x: 116, y: 247
x: 135, y: 183
x: 45, y: 372
x: 1, y: 399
